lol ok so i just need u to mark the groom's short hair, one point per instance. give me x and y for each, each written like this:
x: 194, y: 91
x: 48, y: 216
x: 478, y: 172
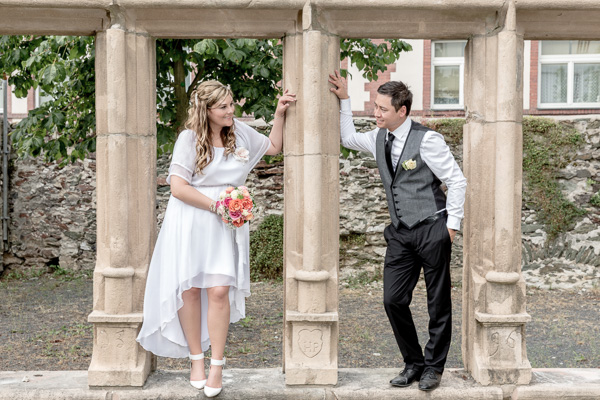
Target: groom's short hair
x: 399, y: 92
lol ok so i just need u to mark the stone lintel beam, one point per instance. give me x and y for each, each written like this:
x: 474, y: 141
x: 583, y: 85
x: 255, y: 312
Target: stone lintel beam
x: 412, y: 19
x: 216, y: 22
x: 535, y: 23
x: 20, y: 20
x: 299, y: 4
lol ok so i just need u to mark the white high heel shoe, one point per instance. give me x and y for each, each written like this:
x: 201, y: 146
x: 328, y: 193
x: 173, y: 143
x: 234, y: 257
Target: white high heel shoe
x: 212, y: 392
x: 197, y: 384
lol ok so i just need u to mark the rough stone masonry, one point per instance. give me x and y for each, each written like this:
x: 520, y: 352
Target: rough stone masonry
x: 52, y: 215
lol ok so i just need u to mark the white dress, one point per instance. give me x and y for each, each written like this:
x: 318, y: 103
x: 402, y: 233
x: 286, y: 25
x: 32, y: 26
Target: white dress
x: 195, y: 248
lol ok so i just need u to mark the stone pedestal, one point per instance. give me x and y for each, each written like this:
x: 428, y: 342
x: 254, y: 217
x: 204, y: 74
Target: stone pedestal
x: 494, y: 313
x: 311, y: 206
x: 126, y: 180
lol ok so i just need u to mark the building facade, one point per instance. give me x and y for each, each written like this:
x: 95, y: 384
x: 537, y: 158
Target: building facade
x: 561, y: 77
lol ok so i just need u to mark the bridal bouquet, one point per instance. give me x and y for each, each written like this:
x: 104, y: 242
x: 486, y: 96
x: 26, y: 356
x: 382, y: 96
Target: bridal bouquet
x: 235, y: 206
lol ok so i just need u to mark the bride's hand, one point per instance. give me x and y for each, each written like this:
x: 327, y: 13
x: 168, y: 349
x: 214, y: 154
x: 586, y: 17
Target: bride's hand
x: 283, y: 103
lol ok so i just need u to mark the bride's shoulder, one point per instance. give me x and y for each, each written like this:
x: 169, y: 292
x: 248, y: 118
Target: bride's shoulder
x: 186, y: 135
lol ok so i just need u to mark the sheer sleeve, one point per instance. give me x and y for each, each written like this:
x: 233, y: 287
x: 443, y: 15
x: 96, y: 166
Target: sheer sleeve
x: 256, y: 143
x: 183, y: 162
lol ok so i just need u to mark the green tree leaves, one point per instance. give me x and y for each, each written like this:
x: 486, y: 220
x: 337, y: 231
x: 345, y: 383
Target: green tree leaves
x: 63, y: 129
x: 372, y: 58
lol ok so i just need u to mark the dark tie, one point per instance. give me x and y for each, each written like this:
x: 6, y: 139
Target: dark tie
x: 388, y: 152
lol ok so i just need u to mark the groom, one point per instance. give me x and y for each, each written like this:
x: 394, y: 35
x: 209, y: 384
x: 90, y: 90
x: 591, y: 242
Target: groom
x: 413, y: 161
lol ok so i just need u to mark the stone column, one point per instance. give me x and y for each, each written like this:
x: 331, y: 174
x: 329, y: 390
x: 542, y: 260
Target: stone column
x: 126, y: 188
x: 311, y: 206
x: 494, y: 316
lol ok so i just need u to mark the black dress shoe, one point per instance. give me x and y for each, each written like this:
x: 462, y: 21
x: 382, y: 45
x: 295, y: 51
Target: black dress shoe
x: 429, y: 380
x: 406, y: 377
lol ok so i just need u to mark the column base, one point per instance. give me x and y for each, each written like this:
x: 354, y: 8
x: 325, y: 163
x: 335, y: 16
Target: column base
x: 298, y: 375
x: 117, y: 359
x: 311, y: 350
x: 487, y: 375
x: 101, y: 379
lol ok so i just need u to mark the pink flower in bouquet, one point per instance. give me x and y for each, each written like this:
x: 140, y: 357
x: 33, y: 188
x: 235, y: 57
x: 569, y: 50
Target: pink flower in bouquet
x: 229, y: 189
x: 235, y: 214
x: 226, y: 201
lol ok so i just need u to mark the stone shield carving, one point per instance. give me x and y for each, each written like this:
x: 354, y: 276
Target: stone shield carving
x: 310, y: 342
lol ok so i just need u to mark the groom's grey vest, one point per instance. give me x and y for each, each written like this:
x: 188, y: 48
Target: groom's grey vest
x: 415, y: 194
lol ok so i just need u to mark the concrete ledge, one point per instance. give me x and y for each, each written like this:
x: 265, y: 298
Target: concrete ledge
x: 355, y: 383
x: 561, y: 383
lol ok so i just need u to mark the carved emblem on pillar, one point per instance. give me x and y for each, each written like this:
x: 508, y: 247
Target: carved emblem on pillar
x: 310, y: 342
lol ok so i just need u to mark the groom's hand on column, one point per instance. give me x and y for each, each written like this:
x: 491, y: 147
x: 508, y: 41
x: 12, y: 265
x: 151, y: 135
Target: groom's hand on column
x: 341, y: 86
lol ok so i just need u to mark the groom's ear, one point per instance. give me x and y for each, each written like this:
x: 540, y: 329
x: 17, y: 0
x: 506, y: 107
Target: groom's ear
x: 402, y: 111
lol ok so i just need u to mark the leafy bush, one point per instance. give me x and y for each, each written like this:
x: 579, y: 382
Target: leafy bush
x: 547, y: 147
x: 266, y: 249
x: 450, y: 128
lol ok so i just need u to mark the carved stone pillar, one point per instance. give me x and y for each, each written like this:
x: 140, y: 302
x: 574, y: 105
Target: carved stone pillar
x: 311, y: 206
x: 494, y: 316
x: 126, y: 187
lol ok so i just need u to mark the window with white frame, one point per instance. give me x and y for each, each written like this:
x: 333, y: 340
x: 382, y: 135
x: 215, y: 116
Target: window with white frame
x: 569, y: 74
x: 447, y: 74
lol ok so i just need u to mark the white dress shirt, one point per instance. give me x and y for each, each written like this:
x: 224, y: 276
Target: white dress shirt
x: 434, y: 151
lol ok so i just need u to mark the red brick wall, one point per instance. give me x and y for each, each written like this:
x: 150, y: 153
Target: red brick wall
x: 426, y: 74
x: 372, y: 86
x: 533, y: 76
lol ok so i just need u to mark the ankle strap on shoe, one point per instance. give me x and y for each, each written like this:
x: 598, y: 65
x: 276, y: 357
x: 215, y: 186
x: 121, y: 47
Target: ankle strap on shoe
x: 195, y: 357
x: 217, y: 362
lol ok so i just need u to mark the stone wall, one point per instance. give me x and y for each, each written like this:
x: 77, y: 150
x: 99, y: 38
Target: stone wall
x: 52, y: 215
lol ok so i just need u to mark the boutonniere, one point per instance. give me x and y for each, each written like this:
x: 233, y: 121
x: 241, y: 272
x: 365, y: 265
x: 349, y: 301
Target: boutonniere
x: 409, y: 164
x: 242, y: 155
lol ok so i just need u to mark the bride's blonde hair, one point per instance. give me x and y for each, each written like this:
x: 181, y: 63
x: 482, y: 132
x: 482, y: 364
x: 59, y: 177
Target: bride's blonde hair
x: 205, y: 96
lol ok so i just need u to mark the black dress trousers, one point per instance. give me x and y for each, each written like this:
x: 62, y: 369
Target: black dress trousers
x: 426, y: 246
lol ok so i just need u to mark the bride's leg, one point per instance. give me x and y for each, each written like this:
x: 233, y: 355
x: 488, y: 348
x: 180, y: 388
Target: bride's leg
x: 218, y: 325
x: 189, y: 318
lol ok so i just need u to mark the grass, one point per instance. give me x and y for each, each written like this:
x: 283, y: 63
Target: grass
x: 56, y: 271
x: 364, y: 278
x: 246, y: 322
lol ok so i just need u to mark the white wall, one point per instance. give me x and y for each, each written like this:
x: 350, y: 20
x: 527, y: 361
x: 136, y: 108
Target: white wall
x: 18, y: 106
x: 526, y: 73
x: 356, y: 89
x: 409, y: 69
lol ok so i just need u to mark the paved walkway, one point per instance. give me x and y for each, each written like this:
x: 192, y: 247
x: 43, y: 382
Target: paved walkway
x: 265, y: 384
